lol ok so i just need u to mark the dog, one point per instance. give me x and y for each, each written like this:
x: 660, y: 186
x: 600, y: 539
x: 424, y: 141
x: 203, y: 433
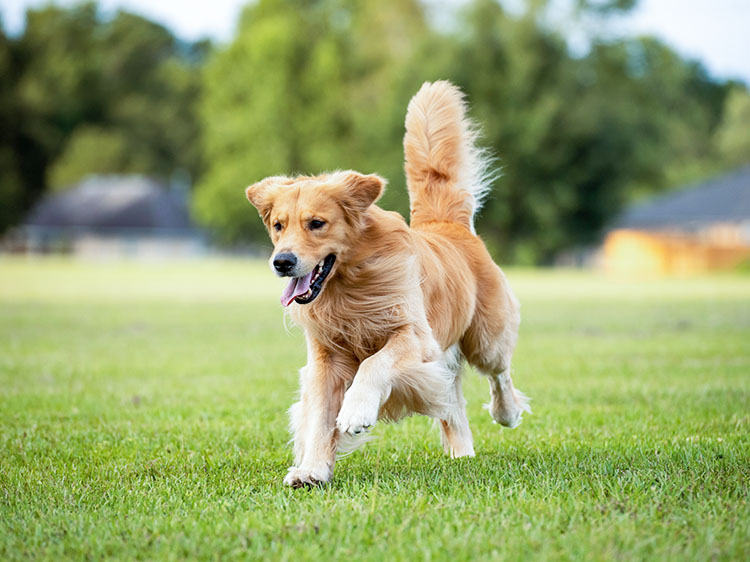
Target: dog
x: 390, y: 311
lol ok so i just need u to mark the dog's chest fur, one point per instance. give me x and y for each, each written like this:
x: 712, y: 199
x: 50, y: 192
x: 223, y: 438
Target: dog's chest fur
x: 363, y: 306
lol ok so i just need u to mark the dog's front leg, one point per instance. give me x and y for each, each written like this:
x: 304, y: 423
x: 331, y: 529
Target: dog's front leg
x: 375, y: 379
x: 313, y: 418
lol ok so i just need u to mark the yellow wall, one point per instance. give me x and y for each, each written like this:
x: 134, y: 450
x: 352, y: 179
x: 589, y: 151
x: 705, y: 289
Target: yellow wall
x: 640, y: 252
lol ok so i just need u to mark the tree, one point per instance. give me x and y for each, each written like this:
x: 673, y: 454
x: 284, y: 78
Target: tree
x: 81, y: 94
x: 304, y: 87
x: 96, y: 150
x: 733, y: 133
x: 577, y: 137
x: 314, y: 85
x: 22, y: 153
x: 311, y: 85
x: 264, y: 95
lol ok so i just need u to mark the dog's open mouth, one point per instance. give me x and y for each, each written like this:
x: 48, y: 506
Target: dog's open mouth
x: 305, y: 289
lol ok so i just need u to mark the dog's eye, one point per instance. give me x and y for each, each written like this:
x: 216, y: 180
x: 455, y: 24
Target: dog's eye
x: 315, y: 224
x: 277, y: 226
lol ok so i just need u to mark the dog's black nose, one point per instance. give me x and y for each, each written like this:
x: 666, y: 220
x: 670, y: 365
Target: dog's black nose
x: 284, y: 263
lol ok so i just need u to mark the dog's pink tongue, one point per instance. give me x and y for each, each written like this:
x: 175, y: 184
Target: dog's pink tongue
x: 297, y: 286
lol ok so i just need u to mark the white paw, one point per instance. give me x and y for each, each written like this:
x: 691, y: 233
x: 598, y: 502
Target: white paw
x: 314, y: 475
x: 508, y: 408
x: 357, y: 414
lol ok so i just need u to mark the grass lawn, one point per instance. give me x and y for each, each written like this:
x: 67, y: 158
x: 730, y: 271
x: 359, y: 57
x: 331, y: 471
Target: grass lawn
x: 142, y: 416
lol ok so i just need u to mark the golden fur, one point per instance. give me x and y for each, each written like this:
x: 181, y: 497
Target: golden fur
x: 402, y: 305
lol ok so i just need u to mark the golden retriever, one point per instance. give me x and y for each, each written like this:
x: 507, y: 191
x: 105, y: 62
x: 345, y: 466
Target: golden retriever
x: 391, y: 310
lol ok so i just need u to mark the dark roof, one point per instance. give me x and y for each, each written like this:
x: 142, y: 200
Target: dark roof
x: 722, y: 199
x: 113, y: 202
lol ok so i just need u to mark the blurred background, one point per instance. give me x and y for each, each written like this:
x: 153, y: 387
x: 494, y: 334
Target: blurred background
x: 622, y: 128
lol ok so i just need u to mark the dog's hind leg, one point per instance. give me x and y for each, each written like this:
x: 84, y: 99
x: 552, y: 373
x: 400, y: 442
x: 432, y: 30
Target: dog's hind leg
x: 455, y: 433
x: 507, y: 404
x: 489, y: 343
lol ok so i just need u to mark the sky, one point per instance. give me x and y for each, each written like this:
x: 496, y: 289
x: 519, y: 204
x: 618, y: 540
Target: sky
x: 715, y: 32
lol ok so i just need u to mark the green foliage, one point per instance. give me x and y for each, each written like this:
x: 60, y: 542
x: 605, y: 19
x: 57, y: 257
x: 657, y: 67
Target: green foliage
x: 145, y: 419
x: 93, y: 150
x: 605, y: 6
x: 733, y: 134
x: 314, y: 85
x: 22, y: 158
x: 264, y: 99
x: 305, y: 87
x: 82, y: 94
x: 578, y: 138
x: 310, y: 86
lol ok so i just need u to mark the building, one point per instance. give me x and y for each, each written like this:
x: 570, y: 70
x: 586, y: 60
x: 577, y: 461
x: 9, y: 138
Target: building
x: 699, y: 228
x: 112, y: 216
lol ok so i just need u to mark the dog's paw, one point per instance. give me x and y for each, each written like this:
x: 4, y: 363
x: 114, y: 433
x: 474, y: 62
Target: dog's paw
x: 357, y: 414
x: 309, y: 476
x: 507, y: 409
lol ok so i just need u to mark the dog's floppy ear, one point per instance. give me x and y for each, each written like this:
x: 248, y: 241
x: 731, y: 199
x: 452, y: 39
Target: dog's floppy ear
x: 361, y: 191
x: 259, y: 195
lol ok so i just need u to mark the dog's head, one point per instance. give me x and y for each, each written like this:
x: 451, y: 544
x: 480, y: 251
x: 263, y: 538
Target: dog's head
x: 312, y: 222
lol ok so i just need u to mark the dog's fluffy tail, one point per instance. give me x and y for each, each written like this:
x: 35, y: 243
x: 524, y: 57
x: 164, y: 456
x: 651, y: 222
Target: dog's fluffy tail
x: 446, y: 173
